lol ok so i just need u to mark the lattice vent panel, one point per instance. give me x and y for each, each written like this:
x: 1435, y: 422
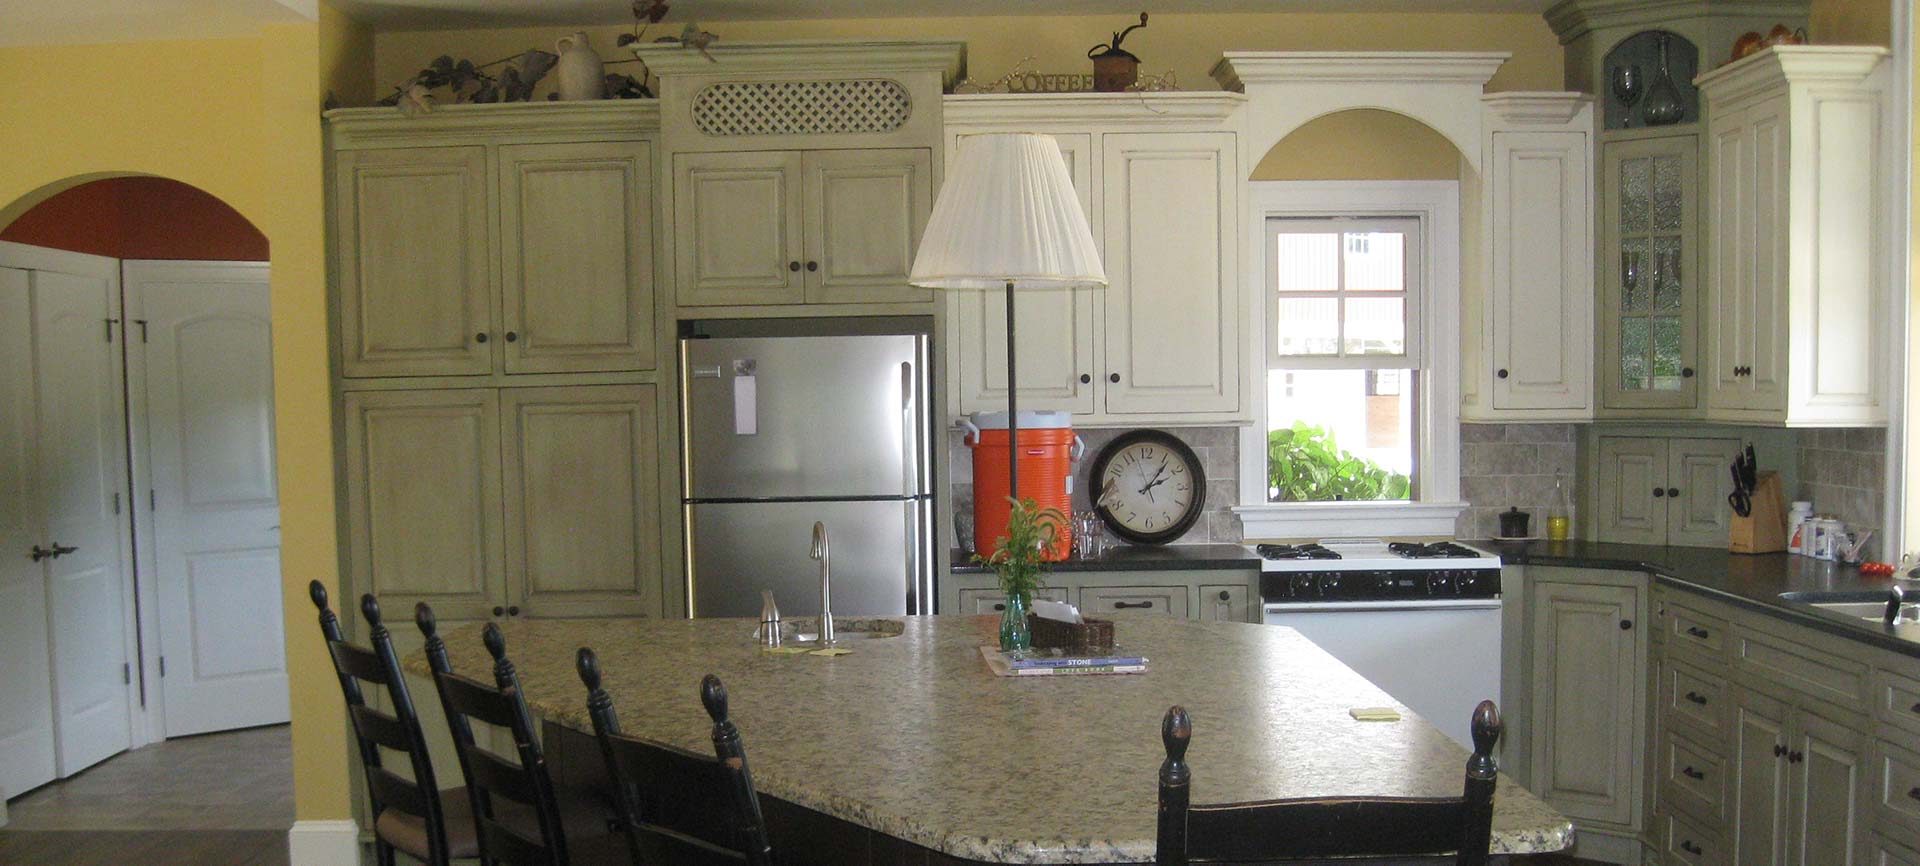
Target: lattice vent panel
x: 861, y: 105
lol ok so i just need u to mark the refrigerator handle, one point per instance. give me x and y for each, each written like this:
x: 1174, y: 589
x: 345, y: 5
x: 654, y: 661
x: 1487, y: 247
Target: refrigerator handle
x: 911, y: 464
x: 914, y: 577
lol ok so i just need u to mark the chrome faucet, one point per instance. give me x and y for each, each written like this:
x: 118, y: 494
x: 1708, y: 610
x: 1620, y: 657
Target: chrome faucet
x: 821, y: 553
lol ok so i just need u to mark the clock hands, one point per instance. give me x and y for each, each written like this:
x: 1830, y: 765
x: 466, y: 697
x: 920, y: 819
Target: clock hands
x: 1156, y: 479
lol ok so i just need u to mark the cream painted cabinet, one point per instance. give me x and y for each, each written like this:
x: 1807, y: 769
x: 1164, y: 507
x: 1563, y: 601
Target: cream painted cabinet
x: 1055, y: 329
x: 1794, y: 236
x: 1663, y: 491
x: 414, y: 247
x: 505, y: 502
x: 1172, y: 304
x: 790, y: 227
x: 1588, y: 684
x: 576, y: 264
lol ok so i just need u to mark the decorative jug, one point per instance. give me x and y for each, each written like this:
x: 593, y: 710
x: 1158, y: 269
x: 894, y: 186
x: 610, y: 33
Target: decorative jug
x: 579, y: 73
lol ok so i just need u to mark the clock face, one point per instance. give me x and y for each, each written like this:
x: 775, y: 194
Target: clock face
x: 1148, y: 487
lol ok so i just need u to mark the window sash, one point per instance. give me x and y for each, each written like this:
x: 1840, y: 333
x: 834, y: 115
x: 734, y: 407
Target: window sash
x: 1411, y: 293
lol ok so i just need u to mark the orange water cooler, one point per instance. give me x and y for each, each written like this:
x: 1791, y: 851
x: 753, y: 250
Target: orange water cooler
x: 1047, y: 451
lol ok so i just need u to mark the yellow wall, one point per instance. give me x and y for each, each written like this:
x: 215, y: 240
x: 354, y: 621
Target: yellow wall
x: 1188, y: 44
x: 346, y: 57
x: 238, y: 118
x: 1850, y: 22
x: 1362, y: 144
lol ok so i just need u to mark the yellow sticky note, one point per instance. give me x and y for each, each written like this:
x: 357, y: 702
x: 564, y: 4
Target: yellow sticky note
x: 786, y: 650
x: 831, y: 651
x: 1374, y: 714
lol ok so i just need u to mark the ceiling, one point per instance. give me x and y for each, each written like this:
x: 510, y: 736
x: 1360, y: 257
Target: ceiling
x: 75, y: 22
x: 443, y: 14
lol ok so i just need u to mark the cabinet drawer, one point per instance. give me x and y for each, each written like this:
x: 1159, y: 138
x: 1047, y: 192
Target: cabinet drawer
x: 1684, y: 842
x: 1896, y: 790
x: 1772, y: 663
x: 1695, y: 634
x: 1128, y: 599
x: 995, y: 601
x: 1693, y: 777
x: 1896, y: 701
x: 1694, y: 698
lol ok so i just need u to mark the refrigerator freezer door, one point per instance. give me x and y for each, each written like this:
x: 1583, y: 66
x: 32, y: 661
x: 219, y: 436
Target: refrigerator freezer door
x: 742, y: 548
x: 814, y: 417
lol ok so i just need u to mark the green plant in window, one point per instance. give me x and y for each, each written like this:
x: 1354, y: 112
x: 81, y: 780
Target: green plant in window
x: 1304, y: 464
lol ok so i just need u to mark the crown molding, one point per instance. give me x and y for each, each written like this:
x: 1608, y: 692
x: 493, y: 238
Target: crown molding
x: 984, y: 110
x: 1537, y: 107
x: 360, y: 127
x: 1790, y: 65
x: 948, y: 57
x: 1237, y: 69
x: 1572, y: 19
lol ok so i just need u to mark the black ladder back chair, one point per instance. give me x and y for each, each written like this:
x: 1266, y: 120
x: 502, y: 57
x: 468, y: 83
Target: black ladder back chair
x: 498, y: 787
x: 718, y: 822
x: 412, y: 816
x: 1324, y: 828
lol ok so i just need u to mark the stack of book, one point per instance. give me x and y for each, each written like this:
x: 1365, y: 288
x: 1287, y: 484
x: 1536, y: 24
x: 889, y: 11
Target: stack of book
x: 1004, y: 665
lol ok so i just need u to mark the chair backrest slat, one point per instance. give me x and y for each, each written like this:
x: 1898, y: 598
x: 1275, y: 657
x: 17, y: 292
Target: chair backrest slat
x: 489, y: 775
x: 373, y: 729
x: 694, y: 809
x: 1320, y: 828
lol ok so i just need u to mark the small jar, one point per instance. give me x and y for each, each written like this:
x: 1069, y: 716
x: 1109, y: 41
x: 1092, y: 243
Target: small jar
x: 1797, y: 518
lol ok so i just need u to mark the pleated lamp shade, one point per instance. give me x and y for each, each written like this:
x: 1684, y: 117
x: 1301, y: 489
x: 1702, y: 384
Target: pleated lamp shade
x: 1008, y: 213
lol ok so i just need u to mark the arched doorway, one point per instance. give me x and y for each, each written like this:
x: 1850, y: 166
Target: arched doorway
x: 136, y: 411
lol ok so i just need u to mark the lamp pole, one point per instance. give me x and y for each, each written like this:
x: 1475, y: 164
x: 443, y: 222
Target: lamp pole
x: 1013, y: 408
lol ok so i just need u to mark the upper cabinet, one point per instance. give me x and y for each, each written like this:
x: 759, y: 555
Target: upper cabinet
x: 1531, y: 347
x: 1795, y: 214
x: 466, y: 247
x: 1649, y: 273
x: 1159, y: 175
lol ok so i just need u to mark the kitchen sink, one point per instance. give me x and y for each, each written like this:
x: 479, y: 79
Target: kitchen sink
x: 845, y: 630
x: 1864, y: 605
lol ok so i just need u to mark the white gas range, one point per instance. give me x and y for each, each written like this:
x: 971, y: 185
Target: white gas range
x: 1421, y: 621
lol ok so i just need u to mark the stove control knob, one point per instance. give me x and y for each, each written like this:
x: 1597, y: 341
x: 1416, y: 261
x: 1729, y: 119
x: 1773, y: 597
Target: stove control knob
x: 1329, y: 585
x: 1442, y: 583
x: 1301, y: 585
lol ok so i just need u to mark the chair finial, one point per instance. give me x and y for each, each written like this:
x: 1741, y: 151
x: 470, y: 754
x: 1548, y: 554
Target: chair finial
x: 370, y: 608
x: 588, y: 665
x: 1176, y: 730
x: 318, y: 592
x: 1486, y: 732
x: 423, y: 617
x: 713, y: 696
x: 495, y: 641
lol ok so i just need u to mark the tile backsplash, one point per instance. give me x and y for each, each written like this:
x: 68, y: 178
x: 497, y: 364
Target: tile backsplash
x: 1843, y: 472
x: 1217, y: 447
x: 1508, y: 465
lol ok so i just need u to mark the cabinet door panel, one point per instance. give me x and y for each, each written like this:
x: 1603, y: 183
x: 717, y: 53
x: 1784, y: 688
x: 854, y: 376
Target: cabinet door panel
x: 737, y: 228
x: 1760, y: 781
x: 1171, y: 600
x: 1173, y: 298
x: 1631, y: 468
x: 423, y: 513
x: 979, y: 601
x: 866, y: 210
x: 413, y: 242
x: 1730, y: 230
x: 577, y: 262
x: 1649, y: 279
x: 1697, y: 468
x: 582, y: 500
x: 1826, y: 777
x: 1224, y: 603
x: 1586, y: 699
x: 1054, y: 329
x: 1766, y: 317
x: 1541, y: 292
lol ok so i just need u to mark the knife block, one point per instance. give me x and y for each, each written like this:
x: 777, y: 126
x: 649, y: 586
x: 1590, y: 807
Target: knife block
x: 1765, y: 529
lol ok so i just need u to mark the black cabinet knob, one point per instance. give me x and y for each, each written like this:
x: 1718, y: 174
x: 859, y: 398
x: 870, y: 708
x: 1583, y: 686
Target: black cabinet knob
x: 513, y: 610
x: 1697, y: 631
x: 1659, y: 492
x: 40, y: 553
x: 511, y: 336
x: 1114, y: 378
x: 1796, y: 757
x: 499, y: 611
x: 1915, y: 793
x: 813, y: 266
x: 1779, y: 751
x: 1692, y: 773
x: 1688, y: 846
x: 999, y: 606
x: 1225, y: 595
x: 1502, y: 373
x: 1626, y: 625
x: 1686, y: 372
x: 1673, y: 492
x: 793, y: 266
x: 1696, y: 697
x: 480, y: 337
x: 1085, y: 378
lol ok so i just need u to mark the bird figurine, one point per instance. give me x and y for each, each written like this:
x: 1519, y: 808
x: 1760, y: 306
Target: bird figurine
x: 698, y: 38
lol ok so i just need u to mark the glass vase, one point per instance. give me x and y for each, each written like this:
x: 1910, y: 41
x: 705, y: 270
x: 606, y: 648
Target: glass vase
x: 1014, y: 633
x: 1663, y: 104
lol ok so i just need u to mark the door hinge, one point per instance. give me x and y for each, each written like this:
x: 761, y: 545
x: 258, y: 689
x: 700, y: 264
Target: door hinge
x: 126, y: 673
x: 163, y: 666
x: 116, y: 503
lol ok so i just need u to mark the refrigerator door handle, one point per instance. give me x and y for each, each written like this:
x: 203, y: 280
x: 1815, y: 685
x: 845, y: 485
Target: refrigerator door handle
x: 913, y: 557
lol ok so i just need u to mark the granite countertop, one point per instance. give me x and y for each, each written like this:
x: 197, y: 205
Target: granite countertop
x: 1142, y: 557
x: 1754, y: 581
x: 911, y: 736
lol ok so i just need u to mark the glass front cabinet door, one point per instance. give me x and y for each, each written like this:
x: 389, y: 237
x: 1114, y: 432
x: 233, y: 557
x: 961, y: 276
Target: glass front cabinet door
x: 1649, y: 281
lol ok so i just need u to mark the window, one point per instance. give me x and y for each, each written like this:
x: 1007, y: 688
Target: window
x: 1357, y: 431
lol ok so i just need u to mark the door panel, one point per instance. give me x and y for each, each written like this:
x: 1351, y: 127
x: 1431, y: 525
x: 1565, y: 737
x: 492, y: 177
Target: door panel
x: 1108, y: 600
x: 82, y: 450
x: 413, y: 242
x: 737, y: 228
x: 1631, y: 468
x: 1760, y: 781
x: 1766, y: 315
x: 1542, y: 333
x: 1173, y: 297
x: 209, y: 382
x: 1827, y: 764
x: 1730, y: 230
x: 424, y: 521
x: 1225, y: 604
x: 1586, y: 699
x: 866, y: 210
x: 1697, y: 468
x: 26, y: 675
x: 576, y: 266
x: 583, y: 532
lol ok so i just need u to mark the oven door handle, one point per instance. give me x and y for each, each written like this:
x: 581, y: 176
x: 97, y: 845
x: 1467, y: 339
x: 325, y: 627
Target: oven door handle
x: 1381, y: 604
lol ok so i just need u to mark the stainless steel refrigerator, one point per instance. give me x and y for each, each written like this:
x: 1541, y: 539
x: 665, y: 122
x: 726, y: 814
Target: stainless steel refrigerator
x: 781, y: 432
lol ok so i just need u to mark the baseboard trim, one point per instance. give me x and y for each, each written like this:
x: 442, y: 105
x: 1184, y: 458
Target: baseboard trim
x: 323, y: 843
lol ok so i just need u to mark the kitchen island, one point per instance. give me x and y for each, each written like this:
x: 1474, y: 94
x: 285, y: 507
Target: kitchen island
x: 909, y: 751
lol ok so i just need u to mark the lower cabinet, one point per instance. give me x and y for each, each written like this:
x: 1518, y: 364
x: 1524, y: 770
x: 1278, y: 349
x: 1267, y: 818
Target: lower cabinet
x: 1144, y: 599
x: 977, y: 601
x: 1799, y: 781
x: 1217, y: 595
x: 1588, y: 685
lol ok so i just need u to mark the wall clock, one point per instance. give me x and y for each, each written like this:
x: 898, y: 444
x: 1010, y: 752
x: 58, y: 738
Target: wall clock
x: 1148, y: 487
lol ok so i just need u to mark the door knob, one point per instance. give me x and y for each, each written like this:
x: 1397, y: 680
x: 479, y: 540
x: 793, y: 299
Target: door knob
x: 40, y: 553
x: 499, y: 611
x: 513, y: 610
x: 1673, y: 492
x: 480, y: 337
x: 813, y: 266
x: 793, y: 266
x: 1114, y: 378
x: 1084, y: 378
x: 1626, y: 625
x: 1779, y: 751
x: 1225, y: 596
x: 1502, y: 373
x: 1686, y: 372
x: 511, y: 336
x: 62, y: 550
x: 1659, y: 492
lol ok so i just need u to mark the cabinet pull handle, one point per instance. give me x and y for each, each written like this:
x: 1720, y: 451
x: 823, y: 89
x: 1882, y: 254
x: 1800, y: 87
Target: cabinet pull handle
x: 1796, y: 757
x: 999, y: 606
x: 40, y: 553
x: 1085, y: 378
x: 1697, y: 698
x: 793, y: 266
x: 812, y: 266
x: 1697, y: 631
x: 1114, y: 378
x: 1686, y: 372
x: 1916, y: 707
x: 1626, y: 625
x: 1502, y: 373
x: 1914, y: 793
x: 1673, y: 492
x: 1688, y: 846
x: 1779, y: 751
x: 513, y: 610
x: 511, y: 336
x: 1118, y: 605
x: 480, y: 337
x: 1225, y: 596
x: 499, y: 611
x: 1692, y: 773
x: 1659, y: 492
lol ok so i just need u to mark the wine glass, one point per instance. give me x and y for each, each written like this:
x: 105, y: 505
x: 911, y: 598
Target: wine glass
x: 1627, y: 87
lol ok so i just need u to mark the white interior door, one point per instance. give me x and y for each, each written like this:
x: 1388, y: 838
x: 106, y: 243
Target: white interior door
x: 26, y: 713
x: 215, y: 506
x: 82, y: 456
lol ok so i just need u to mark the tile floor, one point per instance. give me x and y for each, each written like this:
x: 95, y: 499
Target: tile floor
x: 206, y: 801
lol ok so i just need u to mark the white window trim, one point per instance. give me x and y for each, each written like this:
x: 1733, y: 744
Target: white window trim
x: 1436, y: 203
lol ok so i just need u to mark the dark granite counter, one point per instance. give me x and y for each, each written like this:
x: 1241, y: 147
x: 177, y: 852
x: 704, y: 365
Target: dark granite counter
x: 1128, y: 557
x: 1754, y: 581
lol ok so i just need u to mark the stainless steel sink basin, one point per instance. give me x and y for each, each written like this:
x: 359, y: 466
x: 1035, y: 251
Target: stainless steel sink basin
x: 845, y: 630
x: 1864, y: 605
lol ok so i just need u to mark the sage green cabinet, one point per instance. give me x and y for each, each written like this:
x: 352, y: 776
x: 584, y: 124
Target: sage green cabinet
x: 1589, y: 654
x: 1217, y: 595
x: 1664, y: 491
x: 1649, y: 273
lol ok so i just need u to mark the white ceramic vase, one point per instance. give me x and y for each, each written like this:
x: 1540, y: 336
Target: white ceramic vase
x: 578, y: 74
